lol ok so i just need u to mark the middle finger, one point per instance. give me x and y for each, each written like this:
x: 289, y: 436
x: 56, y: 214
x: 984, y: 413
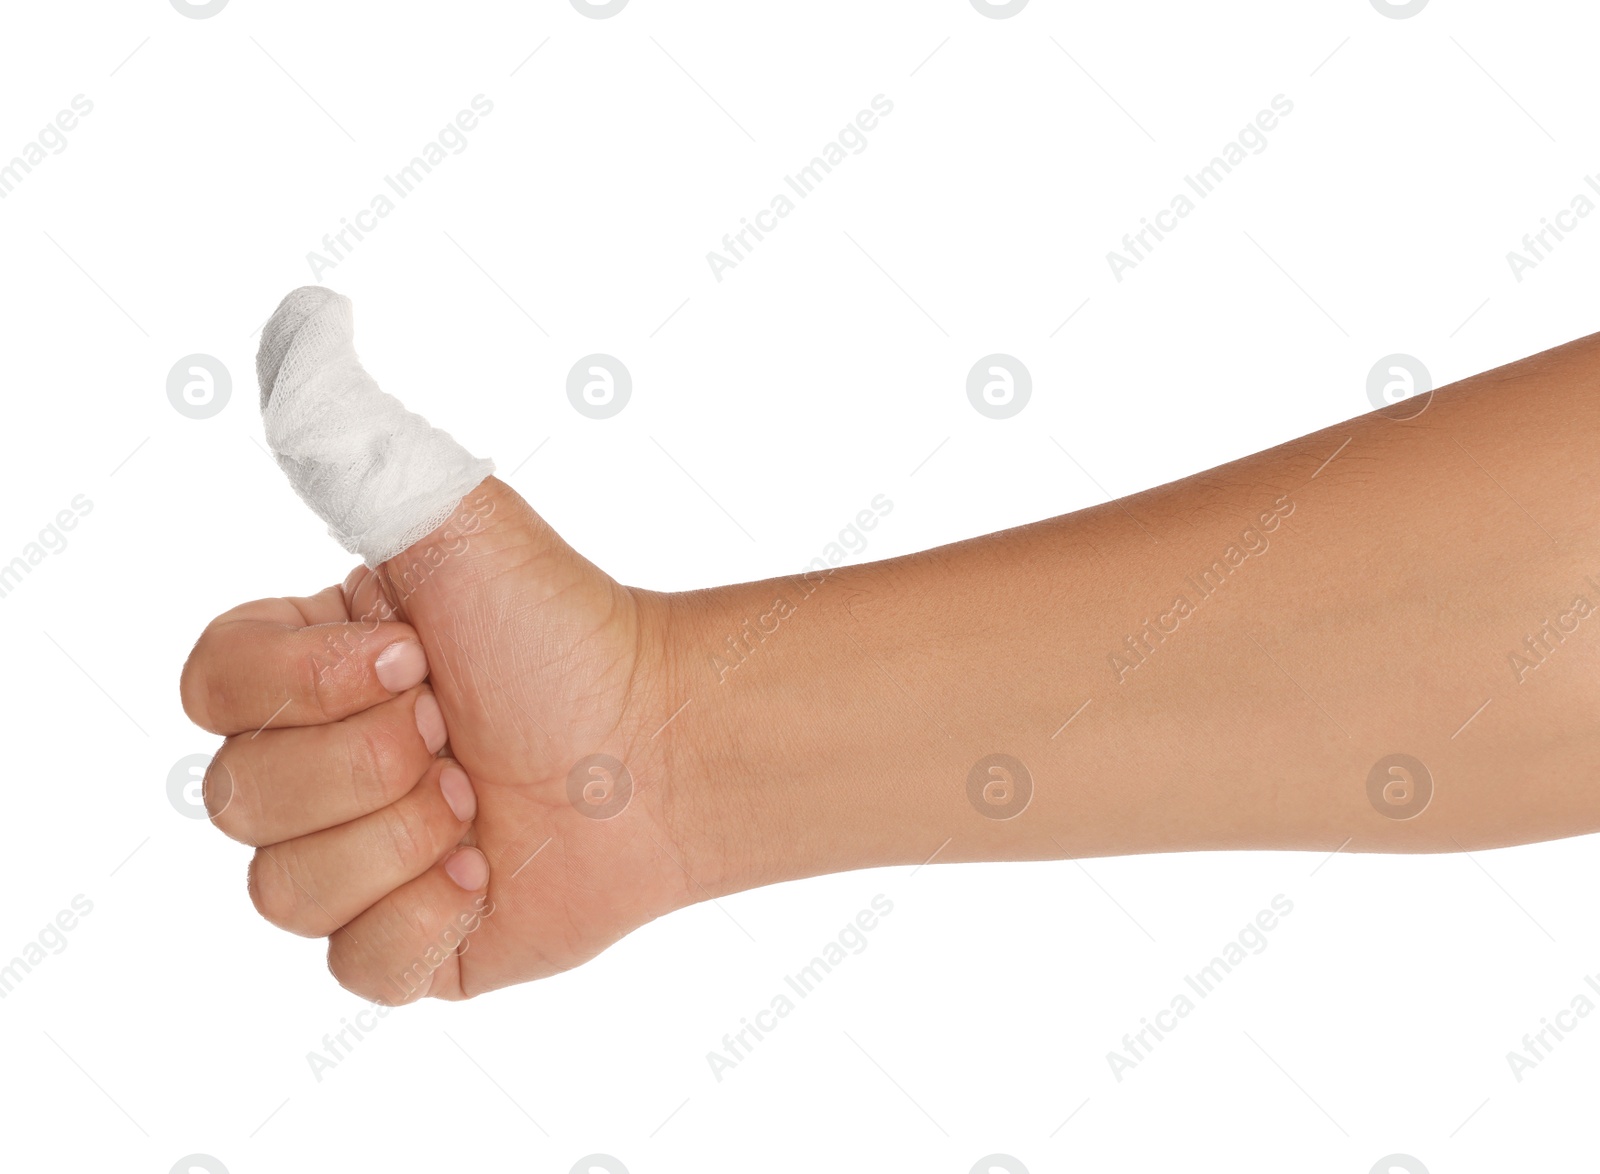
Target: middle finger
x: 275, y: 785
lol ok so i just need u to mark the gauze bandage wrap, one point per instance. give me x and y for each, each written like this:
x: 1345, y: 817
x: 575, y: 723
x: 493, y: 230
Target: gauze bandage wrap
x: 380, y: 476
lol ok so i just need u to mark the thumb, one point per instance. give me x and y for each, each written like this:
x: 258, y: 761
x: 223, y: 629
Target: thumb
x: 495, y: 596
x: 417, y: 507
x: 380, y: 477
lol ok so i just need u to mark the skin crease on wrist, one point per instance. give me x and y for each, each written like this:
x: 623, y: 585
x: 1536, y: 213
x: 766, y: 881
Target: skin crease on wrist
x: 1223, y: 662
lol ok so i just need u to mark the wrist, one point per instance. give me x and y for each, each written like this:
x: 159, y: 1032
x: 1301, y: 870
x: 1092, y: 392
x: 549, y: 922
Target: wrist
x: 753, y: 735
x: 797, y: 751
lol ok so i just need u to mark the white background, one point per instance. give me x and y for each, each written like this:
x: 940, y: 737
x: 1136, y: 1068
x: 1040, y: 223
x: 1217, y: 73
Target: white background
x: 823, y: 370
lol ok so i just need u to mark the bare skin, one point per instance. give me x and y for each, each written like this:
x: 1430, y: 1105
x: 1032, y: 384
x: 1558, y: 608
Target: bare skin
x: 1221, y: 662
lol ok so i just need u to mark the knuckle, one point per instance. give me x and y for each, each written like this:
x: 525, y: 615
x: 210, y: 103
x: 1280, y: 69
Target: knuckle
x: 252, y: 884
x: 272, y: 891
x: 363, y: 766
x: 375, y: 763
x: 410, y: 836
x: 336, y: 678
x: 419, y: 926
x: 223, y: 796
x: 279, y: 890
x: 356, y: 974
x: 342, y: 965
x: 198, y: 687
x: 319, y: 681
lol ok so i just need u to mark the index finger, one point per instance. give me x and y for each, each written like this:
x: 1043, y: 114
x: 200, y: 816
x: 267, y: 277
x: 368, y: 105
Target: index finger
x: 297, y: 662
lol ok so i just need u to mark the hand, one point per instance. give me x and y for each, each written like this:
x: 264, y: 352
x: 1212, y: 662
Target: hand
x: 400, y: 751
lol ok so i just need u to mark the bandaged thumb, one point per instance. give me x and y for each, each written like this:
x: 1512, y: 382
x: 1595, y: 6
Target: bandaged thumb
x: 381, y: 477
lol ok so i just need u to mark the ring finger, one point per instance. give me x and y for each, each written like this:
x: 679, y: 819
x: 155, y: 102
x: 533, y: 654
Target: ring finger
x: 316, y: 883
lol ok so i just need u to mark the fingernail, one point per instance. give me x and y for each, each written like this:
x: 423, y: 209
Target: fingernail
x: 458, y: 792
x: 469, y: 868
x: 430, y: 722
x: 401, y: 665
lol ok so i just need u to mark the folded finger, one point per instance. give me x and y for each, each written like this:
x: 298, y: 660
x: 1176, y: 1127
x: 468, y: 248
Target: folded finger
x: 314, y: 884
x: 277, y: 785
x: 406, y: 946
x: 260, y: 666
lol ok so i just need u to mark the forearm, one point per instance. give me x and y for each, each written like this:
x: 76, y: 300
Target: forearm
x: 1215, y: 663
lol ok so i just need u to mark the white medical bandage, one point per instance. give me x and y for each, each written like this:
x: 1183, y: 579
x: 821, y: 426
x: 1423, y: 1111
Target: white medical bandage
x: 380, y: 476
